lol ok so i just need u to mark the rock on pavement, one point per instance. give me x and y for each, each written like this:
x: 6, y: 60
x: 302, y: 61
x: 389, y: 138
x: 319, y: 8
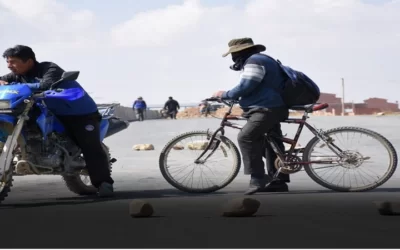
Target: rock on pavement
x: 178, y: 147
x: 241, y: 207
x: 143, y: 147
x: 388, y: 208
x: 200, y: 145
x: 140, y: 209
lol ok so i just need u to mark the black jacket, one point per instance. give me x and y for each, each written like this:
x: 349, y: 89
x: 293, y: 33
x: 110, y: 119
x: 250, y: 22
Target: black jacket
x: 171, y: 105
x: 46, y: 73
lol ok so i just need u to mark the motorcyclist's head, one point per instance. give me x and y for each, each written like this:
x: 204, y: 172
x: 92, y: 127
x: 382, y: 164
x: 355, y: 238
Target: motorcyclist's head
x: 140, y: 98
x: 170, y: 98
x: 20, y: 59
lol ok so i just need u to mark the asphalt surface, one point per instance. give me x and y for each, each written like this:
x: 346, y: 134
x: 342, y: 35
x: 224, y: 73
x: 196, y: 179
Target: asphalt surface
x: 41, y: 212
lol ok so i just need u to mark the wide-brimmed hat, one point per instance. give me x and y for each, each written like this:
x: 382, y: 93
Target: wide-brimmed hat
x: 236, y: 45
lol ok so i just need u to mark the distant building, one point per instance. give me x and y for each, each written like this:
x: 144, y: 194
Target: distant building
x: 382, y: 104
x: 368, y: 107
x: 335, y: 103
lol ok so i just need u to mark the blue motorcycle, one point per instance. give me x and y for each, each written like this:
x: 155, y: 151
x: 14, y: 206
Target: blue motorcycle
x: 42, y: 147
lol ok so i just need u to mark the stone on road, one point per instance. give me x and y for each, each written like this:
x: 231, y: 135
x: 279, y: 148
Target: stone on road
x: 388, y: 208
x: 178, y: 147
x: 143, y: 147
x: 308, y: 216
x: 140, y: 209
x: 241, y: 207
x: 198, y: 145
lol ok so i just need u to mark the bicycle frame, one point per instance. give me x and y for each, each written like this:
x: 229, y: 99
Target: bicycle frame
x: 271, y: 138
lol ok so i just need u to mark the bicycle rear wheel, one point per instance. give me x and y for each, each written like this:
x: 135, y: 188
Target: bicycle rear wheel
x: 358, y: 169
x: 181, y: 152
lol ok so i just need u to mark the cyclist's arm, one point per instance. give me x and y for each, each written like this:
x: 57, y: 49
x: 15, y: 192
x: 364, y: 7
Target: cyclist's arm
x: 250, y: 78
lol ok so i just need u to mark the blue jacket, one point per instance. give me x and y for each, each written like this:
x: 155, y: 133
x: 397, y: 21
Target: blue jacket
x: 139, y: 104
x: 261, y: 83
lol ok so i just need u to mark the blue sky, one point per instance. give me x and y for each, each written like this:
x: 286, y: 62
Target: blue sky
x: 154, y: 49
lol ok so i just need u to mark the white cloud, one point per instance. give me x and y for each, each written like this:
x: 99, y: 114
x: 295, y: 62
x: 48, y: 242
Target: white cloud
x: 327, y: 39
x: 49, y: 19
x: 177, y: 50
x: 157, y: 27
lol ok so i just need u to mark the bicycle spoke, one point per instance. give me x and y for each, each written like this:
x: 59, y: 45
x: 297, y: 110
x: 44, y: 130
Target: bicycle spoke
x: 360, y: 166
x: 181, y: 168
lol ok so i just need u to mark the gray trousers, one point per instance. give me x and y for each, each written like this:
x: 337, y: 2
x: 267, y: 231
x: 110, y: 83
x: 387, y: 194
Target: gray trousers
x: 252, y: 144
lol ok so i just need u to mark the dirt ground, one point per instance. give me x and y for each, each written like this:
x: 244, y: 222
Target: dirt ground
x: 194, y: 112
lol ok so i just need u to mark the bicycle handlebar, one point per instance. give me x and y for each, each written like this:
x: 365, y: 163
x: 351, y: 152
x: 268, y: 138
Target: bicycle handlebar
x: 228, y: 102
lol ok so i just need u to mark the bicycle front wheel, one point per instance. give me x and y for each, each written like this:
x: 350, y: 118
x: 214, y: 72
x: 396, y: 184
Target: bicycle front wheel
x: 178, y: 167
x: 364, y: 165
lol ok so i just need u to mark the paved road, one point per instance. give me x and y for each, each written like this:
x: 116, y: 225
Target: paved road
x: 40, y: 212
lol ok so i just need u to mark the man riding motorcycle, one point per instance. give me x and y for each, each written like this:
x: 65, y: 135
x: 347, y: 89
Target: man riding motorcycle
x: 80, y: 118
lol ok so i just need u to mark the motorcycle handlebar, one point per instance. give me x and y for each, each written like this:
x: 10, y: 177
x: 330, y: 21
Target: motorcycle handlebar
x: 39, y: 95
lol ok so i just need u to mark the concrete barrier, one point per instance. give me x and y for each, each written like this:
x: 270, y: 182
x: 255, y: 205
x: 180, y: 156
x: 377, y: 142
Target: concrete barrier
x: 128, y: 114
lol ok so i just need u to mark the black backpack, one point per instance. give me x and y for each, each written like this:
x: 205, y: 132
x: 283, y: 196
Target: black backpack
x: 299, y: 89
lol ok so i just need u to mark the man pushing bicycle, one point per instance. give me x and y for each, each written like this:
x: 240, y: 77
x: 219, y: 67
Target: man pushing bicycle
x: 259, y: 90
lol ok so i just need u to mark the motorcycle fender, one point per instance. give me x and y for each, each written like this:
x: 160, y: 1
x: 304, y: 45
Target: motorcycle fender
x: 7, y: 119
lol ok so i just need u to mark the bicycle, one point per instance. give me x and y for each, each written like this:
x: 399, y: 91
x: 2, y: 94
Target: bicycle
x: 289, y: 161
x: 140, y: 114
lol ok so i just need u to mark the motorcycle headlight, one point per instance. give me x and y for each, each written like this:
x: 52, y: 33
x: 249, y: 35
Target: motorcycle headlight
x: 4, y: 104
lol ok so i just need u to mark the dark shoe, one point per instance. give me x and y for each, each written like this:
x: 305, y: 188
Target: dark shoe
x: 257, y: 184
x: 106, y: 190
x: 276, y: 187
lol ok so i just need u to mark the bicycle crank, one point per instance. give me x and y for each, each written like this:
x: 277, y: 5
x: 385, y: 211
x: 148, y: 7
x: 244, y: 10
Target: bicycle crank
x: 288, y: 169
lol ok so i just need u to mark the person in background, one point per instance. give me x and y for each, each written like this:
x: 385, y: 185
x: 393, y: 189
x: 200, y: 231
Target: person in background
x: 140, y: 106
x: 172, y: 107
x: 204, y: 108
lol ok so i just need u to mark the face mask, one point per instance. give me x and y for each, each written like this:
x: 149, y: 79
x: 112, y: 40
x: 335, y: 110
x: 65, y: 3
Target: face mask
x: 239, y: 58
x: 238, y: 62
x: 235, y: 67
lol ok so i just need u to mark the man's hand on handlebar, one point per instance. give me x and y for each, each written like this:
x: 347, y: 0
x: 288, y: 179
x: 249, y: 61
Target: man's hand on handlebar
x: 228, y: 102
x: 217, y: 97
x: 218, y: 94
x: 3, y: 82
x: 213, y: 99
